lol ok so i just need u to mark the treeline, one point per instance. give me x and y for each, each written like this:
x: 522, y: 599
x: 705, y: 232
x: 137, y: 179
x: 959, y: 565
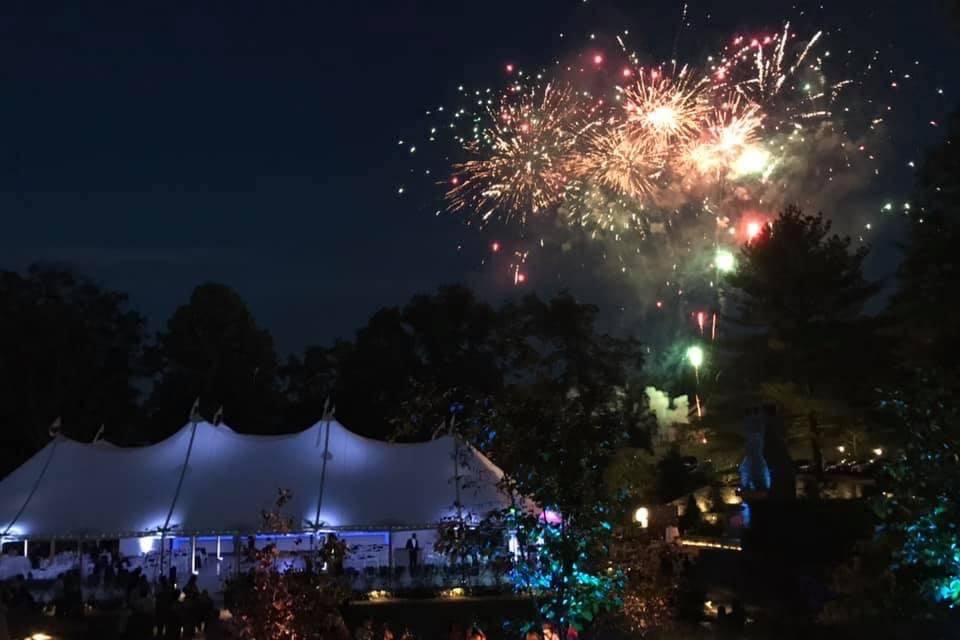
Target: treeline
x: 71, y: 349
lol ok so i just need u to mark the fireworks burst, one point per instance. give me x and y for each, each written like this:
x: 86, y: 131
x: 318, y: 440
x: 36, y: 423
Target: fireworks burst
x: 520, y: 156
x: 729, y: 133
x: 611, y: 159
x: 664, y: 109
x: 672, y: 162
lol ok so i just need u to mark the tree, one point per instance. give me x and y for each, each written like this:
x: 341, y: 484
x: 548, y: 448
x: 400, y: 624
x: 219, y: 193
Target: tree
x: 67, y: 348
x: 798, y: 298
x: 555, y: 429
x: 287, y: 603
x: 921, y: 502
x: 404, y: 368
x: 213, y: 349
x: 926, y: 309
x: 651, y: 592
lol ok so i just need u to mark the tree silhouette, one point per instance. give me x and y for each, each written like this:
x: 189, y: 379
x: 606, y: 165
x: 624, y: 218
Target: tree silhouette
x: 403, y: 369
x: 798, y: 297
x: 67, y: 348
x: 214, y: 350
x: 926, y: 308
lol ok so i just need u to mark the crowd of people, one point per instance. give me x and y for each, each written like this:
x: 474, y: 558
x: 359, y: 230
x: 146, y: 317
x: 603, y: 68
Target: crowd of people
x: 162, y: 609
x: 171, y: 612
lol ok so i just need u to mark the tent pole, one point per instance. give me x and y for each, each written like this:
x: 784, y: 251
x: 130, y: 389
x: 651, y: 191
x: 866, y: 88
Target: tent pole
x: 456, y: 469
x: 219, y: 554
x: 33, y: 490
x: 327, y: 415
x: 163, y: 548
x: 176, y: 493
x: 193, y: 555
x: 25, y: 544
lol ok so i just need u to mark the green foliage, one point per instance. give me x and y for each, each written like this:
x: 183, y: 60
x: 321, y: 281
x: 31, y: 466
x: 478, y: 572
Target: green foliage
x: 921, y: 504
x: 564, y: 573
x: 557, y: 426
x: 458, y: 542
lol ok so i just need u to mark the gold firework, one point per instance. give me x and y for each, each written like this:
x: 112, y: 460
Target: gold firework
x: 520, y: 156
x: 613, y: 160
x: 665, y: 109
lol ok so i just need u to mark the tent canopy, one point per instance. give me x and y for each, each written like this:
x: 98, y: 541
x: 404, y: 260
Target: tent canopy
x: 77, y: 490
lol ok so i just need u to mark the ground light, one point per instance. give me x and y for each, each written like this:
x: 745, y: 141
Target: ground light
x: 642, y: 517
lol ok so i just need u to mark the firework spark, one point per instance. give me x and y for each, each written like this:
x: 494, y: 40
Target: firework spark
x: 520, y: 156
x: 612, y: 160
x: 671, y: 162
x: 663, y: 108
x: 727, y: 134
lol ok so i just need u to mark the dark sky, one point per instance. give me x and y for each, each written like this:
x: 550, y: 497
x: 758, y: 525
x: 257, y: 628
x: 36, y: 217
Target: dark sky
x: 155, y: 146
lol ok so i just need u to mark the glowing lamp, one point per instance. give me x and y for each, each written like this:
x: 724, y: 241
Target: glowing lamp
x: 642, y: 517
x: 841, y: 448
x: 878, y: 452
x: 725, y: 261
x: 695, y: 356
x: 753, y: 230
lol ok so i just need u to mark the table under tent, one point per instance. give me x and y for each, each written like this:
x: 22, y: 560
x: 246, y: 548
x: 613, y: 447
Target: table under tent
x: 196, y: 500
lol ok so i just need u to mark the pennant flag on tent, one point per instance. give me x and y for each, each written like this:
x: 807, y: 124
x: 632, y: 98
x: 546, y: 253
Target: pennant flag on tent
x: 195, y: 416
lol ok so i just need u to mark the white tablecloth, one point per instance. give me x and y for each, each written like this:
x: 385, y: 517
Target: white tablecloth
x: 11, y: 566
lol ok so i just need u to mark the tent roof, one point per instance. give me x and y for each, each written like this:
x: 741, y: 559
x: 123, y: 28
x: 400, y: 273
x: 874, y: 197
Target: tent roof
x: 76, y: 490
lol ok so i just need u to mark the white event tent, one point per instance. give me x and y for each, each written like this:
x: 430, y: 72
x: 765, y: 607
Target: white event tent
x: 210, y: 480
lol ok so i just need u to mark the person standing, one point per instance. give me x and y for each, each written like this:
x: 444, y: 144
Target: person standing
x: 413, y: 549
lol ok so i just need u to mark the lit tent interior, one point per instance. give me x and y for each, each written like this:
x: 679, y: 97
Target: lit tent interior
x: 210, y: 480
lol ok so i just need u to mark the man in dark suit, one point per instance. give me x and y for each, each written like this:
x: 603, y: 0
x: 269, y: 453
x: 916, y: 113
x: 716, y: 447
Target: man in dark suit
x: 413, y: 550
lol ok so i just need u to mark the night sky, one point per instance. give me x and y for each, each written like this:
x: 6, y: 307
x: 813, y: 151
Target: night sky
x: 155, y: 146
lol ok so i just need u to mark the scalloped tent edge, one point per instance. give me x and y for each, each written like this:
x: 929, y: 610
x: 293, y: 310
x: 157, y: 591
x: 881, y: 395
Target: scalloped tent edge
x: 211, y: 480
